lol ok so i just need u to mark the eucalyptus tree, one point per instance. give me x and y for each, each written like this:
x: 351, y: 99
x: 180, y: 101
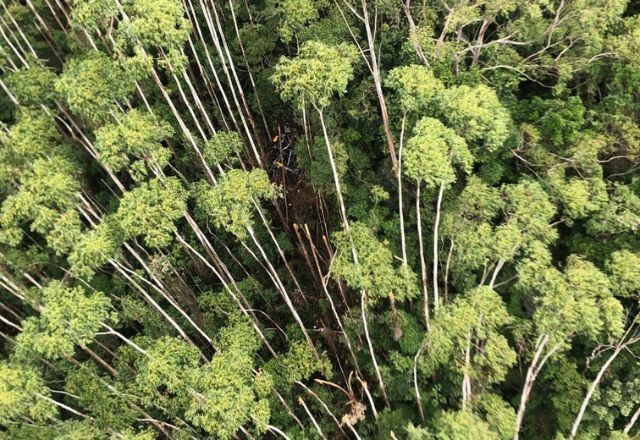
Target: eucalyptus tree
x: 371, y: 19
x: 431, y: 154
x: 319, y: 72
x: 374, y: 272
x: 312, y: 78
x: 34, y: 85
x: 150, y: 211
x: 46, y: 192
x: 529, y: 40
x: 576, y: 302
x: 417, y: 90
x: 229, y: 205
x: 465, y: 338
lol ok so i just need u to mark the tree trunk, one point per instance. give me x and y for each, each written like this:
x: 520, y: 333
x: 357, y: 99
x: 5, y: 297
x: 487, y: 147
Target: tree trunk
x: 592, y: 388
x: 436, y: 225
x: 532, y: 373
x: 632, y: 421
x: 403, y: 240
x: 334, y: 170
x: 415, y: 379
x: 423, y: 264
x: 622, y: 344
x: 375, y: 71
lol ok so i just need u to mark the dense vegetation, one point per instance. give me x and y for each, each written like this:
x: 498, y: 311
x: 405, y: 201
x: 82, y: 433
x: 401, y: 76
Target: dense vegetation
x: 316, y: 219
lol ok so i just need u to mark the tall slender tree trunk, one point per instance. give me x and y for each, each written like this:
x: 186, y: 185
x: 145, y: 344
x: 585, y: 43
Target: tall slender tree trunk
x: 403, y: 241
x: 466, y: 380
x: 286, y: 297
x: 415, y: 379
x: 632, y: 421
x: 246, y: 63
x: 590, y: 391
x: 231, y: 293
x: 345, y: 222
x: 532, y: 373
x: 334, y: 171
x: 217, y: 37
x: 620, y: 346
x: 413, y: 33
x: 375, y: 71
x: 423, y: 263
x: 436, y: 227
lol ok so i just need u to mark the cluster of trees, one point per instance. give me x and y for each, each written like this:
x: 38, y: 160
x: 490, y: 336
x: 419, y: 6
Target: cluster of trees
x: 453, y: 254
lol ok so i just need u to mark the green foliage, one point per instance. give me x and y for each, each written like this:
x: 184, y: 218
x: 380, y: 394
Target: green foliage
x: 135, y: 142
x: 569, y: 387
x: 624, y: 270
x: 475, y: 207
x: 92, y: 14
x: 130, y: 434
x: 559, y: 121
x: 229, y: 204
x: 526, y: 113
x: 164, y: 373
x: 23, y: 394
x: 159, y: 23
x: 315, y: 75
x: 66, y: 430
x: 33, y: 86
x: 294, y: 16
x: 69, y: 317
x: 220, y: 396
x: 33, y: 136
x: 374, y: 272
x: 95, y: 248
x: 91, y: 85
x: 417, y: 88
x: 150, y: 211
x: 580, y: 197
x: 318, y: 168
x: 615, y: 400
x: 432, y: 152
x: 298, y: 364
x: 454, y: 425
x: 621, y: 214
x: 530, y: 208
x: 230, y: 396
x: 109, y: 410
x: 487, y: 224
x: 471, y: 322
x: 65, y: 233
x: 222, y: 146
x: 137, y: 312
x: 576, y: 302
x: 500, y: 416
x: 263, y: 41
x: 477, y: 115
x: 47, y: 191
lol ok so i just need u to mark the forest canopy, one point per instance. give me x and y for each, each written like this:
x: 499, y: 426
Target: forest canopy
x: 317, y: 219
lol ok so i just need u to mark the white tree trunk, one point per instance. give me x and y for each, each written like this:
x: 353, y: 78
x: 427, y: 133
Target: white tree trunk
x: 532, y: 373
x: 403, y: 241
x: 436, y: 226
x: 423, y: 264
